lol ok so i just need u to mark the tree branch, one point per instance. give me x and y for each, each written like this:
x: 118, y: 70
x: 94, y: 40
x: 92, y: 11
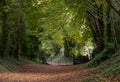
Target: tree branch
x: 110, y: 5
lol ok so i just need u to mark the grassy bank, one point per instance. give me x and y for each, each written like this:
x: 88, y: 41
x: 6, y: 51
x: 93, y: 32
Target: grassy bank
x: 109, y: 70
x: 10, y: 63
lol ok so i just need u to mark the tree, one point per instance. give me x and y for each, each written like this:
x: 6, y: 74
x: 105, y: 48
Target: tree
x: 5, y: 28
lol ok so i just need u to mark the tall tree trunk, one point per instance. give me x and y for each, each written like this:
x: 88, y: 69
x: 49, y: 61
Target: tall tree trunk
x: 19, y: 30
x: 111, y: 33
x: 114, y: 34
x: 97, y: 29
x: 5, y: 30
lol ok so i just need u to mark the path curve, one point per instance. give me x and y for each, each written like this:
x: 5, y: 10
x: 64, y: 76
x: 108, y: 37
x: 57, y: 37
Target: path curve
x: 45, y: 73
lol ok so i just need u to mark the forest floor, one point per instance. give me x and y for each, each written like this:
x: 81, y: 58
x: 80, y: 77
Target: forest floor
x: 28, y: 72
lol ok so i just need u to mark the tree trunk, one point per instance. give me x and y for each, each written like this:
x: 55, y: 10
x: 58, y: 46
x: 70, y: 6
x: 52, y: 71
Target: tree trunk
x: 19, y: 29
x: 97, y: 28
x: 5, y: 30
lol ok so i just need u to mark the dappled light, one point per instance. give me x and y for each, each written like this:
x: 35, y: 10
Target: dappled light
x: 59, y: 41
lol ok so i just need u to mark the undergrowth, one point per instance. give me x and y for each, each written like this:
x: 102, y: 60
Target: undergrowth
x: 101, y: 57
x: 8, y: 63
x: 2, y: 68
x: 110, y: 70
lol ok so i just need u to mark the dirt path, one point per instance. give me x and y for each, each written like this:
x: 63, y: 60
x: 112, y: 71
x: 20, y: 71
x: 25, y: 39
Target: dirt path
x: 45, y: 73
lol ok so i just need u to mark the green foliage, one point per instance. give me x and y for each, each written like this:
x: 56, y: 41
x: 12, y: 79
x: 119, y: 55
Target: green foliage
x: 101, y: 57
x: 40, y: 28
x: 8, y: 63
x: 90, y: 79
x: 112, y: 65
x: 31, y: 48
x: 109, y: 69
x: 2, y: 68
x: 32, y: 23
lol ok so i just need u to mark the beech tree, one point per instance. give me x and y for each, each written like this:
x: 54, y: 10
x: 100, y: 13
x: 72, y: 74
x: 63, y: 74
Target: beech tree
x: 29, y: 26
